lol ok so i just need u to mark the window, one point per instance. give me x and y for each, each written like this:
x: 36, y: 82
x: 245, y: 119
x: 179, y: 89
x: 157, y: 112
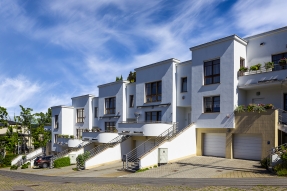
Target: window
x: 153, y: 91
x: 153, y: 116
x: 184, y: 84
x: 96, y: 112
x: 285, y: 102
x: 212, y: 104
x: 276, y: 58
x: 56, y: 121
x: 131, y: 100
x: 55, y: 138
x: 242, y: 62
x: 80, y: 115
x: 110, y: 105
x: 110, y: 126
x: 212, y: 72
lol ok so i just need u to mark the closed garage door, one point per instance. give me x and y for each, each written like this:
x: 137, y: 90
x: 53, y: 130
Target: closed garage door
x: 247, y: 146
x: 143, y: 148
x: 214, y: 144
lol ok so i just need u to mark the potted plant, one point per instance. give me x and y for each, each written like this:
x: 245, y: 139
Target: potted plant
x: 72, y: 136
x: 99, y: 130
x: 243, y: 69
x: 283, y: 61
x: 268, y: 66
x: 255, y: 67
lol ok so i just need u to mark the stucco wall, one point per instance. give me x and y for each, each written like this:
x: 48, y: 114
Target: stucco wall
x: 265, y: 123
x: 131, y: 90
x: 183, y: 70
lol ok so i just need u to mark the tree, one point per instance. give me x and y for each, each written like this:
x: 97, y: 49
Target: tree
x: 132, y: 77
x: 3, y: 117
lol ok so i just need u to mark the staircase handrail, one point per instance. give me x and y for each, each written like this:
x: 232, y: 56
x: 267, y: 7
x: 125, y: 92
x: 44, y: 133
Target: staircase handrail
x: 133, y: 156
x: 111, y: 143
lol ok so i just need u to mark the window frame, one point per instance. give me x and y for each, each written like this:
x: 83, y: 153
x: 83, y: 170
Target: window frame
x: 212, y: 109
x: 108, y: 105
x: 182, y: 84
x: 96, y: 112
x: 276, y: 62
x: 110, y: 126
x: 56, y: 122
x: 158, y: 116
x: 80, y: 119
x: 131, y: 101
x: 212, y: 76
x: 158, y: 89
x: 242, y: 62
x: 55, y: 138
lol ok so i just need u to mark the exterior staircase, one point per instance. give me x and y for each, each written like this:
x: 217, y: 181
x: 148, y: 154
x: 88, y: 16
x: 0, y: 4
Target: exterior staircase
x: 131, y: 160
x: 101, y: 148
x: 29, y: 157
x: 68, y: 151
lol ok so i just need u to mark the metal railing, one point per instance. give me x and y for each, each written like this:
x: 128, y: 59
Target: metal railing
x: 22, y: 161
x: 282, y: 116
x: 132, y: 158
x: 277, y: 152
x: 146, y: 122
x: 100, y: 148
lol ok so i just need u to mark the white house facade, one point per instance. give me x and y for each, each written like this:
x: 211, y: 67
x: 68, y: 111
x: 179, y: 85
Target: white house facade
x: 189, y: 103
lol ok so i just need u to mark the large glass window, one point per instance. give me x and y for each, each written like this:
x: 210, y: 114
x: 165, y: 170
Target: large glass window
x: 276, y: 58
x: 80, y: 115
x: 153, y: 116
x: 212, y: 104
x: 285, y: 102
x: 110, y: 105
x: 153, y: 91
x: 110, y: 126
x: 56, y: 121
x: 131, y: 101
x: 212, y: 72
x: 184, y: 84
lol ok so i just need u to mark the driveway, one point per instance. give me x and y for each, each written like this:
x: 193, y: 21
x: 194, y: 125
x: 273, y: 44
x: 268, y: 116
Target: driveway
x: 206, y: 167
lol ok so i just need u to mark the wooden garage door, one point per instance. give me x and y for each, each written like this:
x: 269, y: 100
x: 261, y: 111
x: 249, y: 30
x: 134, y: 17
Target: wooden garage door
x: 247, y: 146
x: 214, y: 144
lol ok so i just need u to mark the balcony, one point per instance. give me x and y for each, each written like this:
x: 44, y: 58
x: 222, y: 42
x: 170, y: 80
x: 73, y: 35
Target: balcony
x: 143, y: 128
x: 69, y: 142
x: 262, y: 70
x: 262, y: 79
x: 99, y: 137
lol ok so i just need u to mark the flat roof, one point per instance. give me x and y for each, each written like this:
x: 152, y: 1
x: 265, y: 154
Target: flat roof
x: 159, y: 63
x: 87, y: 95
x: 267, y: 33
x: 63, y: 106
x: 232, y: 37
x: 113, y: 83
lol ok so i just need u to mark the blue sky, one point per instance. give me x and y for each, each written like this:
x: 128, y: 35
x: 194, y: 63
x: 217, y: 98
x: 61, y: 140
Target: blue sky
x: 53, y: 50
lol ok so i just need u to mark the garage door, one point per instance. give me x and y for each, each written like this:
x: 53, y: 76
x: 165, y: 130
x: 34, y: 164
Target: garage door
x: 214, y: 144
x: 143, y: 149
x: 247, y: 146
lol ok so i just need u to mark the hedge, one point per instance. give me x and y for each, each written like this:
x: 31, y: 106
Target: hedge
x: 7, y: 160
x: 61, y: 162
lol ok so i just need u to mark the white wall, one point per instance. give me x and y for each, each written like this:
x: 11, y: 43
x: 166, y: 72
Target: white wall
x: 165, y: 72
x: 226, y: 89
x: 186, y: 141
x: 183, y: 70
x: 131, y: 90
x: 95, y: 119
x: 275, y: 43
x: 114, y: 89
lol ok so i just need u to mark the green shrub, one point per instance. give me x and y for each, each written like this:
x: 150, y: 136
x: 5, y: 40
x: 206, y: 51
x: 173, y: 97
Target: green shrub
x: 255, y: 67
x: 81, y: 158
x: 7, y: 160
x: 61, y: 162
x: 264, y: 162
x: 142, y: 170
x: 14, y: 167
x: 24, y: 166
x: 282, y: 172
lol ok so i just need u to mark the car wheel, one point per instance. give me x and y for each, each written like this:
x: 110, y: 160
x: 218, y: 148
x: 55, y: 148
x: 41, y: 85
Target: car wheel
x: 45, y: 165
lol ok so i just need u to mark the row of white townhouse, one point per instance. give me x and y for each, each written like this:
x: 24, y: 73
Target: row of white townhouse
x: 179, y: 109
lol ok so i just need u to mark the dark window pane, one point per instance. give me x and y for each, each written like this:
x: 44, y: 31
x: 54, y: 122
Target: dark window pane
x: 285, y: 102
x: 212, y: 72
x: 216, y: 79
x: 216, y: 69
x: 208, y: 71
x: 159, y: 88
x: 208, y: 81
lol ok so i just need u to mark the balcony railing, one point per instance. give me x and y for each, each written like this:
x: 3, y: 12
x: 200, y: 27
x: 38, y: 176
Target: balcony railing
x: 146, y: 122
x: 262, y: 70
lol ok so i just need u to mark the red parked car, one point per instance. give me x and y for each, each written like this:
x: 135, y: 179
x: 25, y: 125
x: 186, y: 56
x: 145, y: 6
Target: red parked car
x: 42, y: 162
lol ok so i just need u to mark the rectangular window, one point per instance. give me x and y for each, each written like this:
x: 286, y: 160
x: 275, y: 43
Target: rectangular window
x: 285, y: 102
x: 110, y: 104
x: 212, y: 72
x: 242, y: 62
x: 154, y: 116
x: 56, y: 121
x: 276, y: 58
x: 110, y: 126
x: 56, y: 138
x: 184, y: 84
x: 153, y: 91
x: 96, y: 112
x: 131, y: 100
x: 211, y: 104
x: 80, y: 115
